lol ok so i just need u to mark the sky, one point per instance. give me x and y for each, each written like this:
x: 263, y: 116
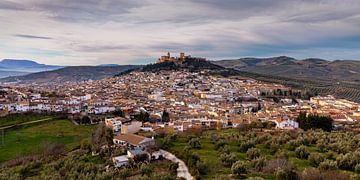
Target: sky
x: 91, y: 32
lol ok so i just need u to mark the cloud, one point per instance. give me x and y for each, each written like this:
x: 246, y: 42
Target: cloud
x: 31, y: 36
x: 136, y: 31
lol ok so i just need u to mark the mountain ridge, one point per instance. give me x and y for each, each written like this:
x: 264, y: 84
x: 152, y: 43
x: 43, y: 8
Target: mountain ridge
x: 341, y: 70
x: 70, y: 73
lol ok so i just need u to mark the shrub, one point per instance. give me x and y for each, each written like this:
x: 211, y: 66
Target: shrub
x: 328, y: 165
x: 315, y: 159
x: 124, y: 173
x: 173, y: 167
x: 201, y: 167
x: 228, y: 159
x: 255, y: 178
x: 282, y: 154
x: 238, y: 168
x: 357, y: 168
x: 253, y: 153
x: 244, y: 146
x: 194, y: 143
x: 302, y: 152
x: 219, y: 144
x: 145, y: 170
x: 274, y: 164
x: 292, y: 144
x: 314, y: 174
x: 258, y: 163
x: 282, y: 174
x: 274, y: 147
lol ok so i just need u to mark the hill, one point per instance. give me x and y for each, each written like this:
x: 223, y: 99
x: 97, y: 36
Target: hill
x: 188, y: 64
x: 4, y: 74
x: 317, y: 76
x: 71, y: 73
x: 339, y: 70
x: 25, y: 66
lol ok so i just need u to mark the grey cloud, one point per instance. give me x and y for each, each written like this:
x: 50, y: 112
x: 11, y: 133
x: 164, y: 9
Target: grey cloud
x: 31, y: 36
x: 7, y: 5
x: 100, y: 48
x: 76, y: 10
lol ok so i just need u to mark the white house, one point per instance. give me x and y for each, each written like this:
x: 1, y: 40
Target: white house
x: 287, y: 124
x: 133, y: 140
x: 120, y: 161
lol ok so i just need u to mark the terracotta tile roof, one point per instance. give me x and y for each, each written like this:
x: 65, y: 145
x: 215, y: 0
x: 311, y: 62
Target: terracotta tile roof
x: 130, y: 138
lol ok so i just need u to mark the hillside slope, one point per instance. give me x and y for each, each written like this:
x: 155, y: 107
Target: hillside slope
x: 71, y: 73
x: 339, y: 70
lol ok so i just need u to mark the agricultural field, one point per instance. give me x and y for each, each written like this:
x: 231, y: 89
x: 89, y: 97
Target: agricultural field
x: 34, y: 138
x: 234, y: 154
x: 14, y: 119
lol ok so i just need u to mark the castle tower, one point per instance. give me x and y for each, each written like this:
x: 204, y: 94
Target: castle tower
x: 168, y: 54
x: 182, y: 55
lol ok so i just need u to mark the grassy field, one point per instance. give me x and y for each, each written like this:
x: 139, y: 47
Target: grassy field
x: 211, y: 157
x: 31, y: 139
x: 13, y: 119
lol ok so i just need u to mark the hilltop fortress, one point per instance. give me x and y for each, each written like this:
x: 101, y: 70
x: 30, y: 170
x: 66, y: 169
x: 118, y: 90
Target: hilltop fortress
x: 178, y: 60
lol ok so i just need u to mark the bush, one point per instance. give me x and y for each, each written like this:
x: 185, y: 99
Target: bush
x: 219, y: 144
x: 282, y: 154
x: 201, y: 167
x: 349, y: 160
x: 244, y: 146
x: 302, y: 152
x: 124, y: 173
x: 145, y: 169
x: 315, y: 159
x: 195, y: 143
x: 253, y: 153
x: 255, y: 178
x: 238, y: 168
x: 328, y: 165
x: 274, y: 164
x: 258, y: 163
x: 282, y: 174
x: 357, y: 168
x: 228, y: 159
x: 313, y: 173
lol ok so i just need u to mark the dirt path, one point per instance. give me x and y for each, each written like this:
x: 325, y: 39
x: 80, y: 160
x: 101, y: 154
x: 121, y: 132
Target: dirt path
x: 25, y: 123
x: 183, y: 170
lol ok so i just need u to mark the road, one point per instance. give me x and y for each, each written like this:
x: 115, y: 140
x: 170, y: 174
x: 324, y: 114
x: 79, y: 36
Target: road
x: 182, y: 171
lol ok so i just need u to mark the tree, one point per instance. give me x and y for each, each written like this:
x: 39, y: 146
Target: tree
x: 124, y: 173
x: 119, y: 112
x: 102, y: 135
x: 253, y: 153
x: 142, y: 116
x: 328, y: 165
x: 228, y: 159
x: 302, y: 152
x: 85, y: 120
x: 165, y: 116
x: 194, y: 143
x: 146, y: 170
x: 315, y: 159
x: 141, y: 158
x: 238, y: 168
x: 314, y: 121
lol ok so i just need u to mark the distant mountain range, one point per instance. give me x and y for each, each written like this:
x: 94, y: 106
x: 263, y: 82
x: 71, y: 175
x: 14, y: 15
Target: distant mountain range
x: 13, y: 67
x: 70, y: 73
x: 339, y: 70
